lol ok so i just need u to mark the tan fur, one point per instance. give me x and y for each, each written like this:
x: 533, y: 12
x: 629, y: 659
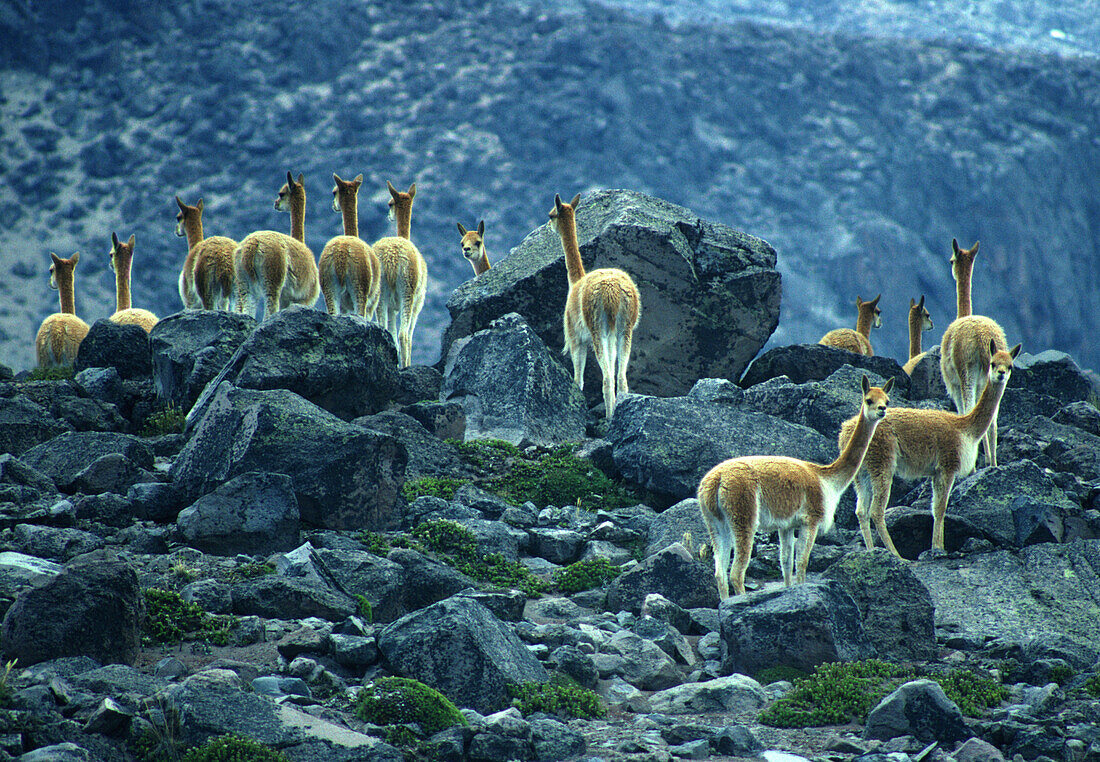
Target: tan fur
x: 919, y: 320
x: 276, y: 267
x: 743, y: 495
x: 207, y: 279
x: 122, y: 257
x: 868, y: 316
x: 349, y: 269
x: 913, y: 444
x: 60, y: 334
x: 404, y: 276
x: 962, y: 270
x: 601, y: 311
x: 473, y: 247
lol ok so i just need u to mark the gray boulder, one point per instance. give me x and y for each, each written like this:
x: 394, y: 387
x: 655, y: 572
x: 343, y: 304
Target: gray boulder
x: 512, y: 388
x: 24, y: 424
x: 678, y: 523
x: 1080, y: 415
x: 277, y: 597
x: 345, y: 476
x: 638, y: 661
x: 926, y: 380
x: 710, y: 294
x: 733, y: 693
x: 814, y: 362
x: 111, y: 345
x: 255, y: 513
x: 73, y: 461
x: 665, y: 446
x: 21, y: 484
x: 341, y: 363
x: 190, y: 348
x: 459, y: 648
x: 673, y: 573
x: 445, y: 420
x: 54, y: 543
x: 352, y: 572
x: 428, y: 454
x: 1052, y: 373
x: 1057, y: 445
x: 67, y: 401
x: 801, y: 626
x: 427, y: 581
x: 896, y: 608
x: 94, y: 608
x: 919, y: 709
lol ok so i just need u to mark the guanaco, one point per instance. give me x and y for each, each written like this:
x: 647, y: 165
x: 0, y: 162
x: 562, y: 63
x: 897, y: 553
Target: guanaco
x: 473, y: 247
x: 868, y: 316
x: 60, y: 334
x: 122, y: 256
x: 207, y: 279
x: 920, y: 320
x: 912, y: 444
x: 740, y: 496
x: 404, y: 275
x: 601, y: 310
x: 349, y: 268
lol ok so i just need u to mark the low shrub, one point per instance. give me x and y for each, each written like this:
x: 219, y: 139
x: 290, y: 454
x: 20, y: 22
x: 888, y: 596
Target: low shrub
x: 234, y: 748
x: 169, y: 420
x: 456, y: 545
x: 561, y: 696
x: 57, y: 373
x: 973, y: 693
x: 400, y: 701
x: 443, y: 487
x: 170, y: 619
x: 585, y: 575
x: 1092, y: 686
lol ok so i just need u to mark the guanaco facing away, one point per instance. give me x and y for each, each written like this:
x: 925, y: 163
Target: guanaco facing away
x: 122, y: 256
x: 912, y: 444
x: 473, y: 247
x: 743, y: 495
x: 868, y: 316
x: 601, y: 310
x: 349, y: 268
x: 962, y: 270
x: 207, y: 279
x: 404, y: 276
x: 277, y: 267
x: 920, y: 320
x: 60, y: 334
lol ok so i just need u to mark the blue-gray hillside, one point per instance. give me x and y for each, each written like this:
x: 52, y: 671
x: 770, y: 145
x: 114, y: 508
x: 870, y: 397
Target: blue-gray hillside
x: 857, y: 158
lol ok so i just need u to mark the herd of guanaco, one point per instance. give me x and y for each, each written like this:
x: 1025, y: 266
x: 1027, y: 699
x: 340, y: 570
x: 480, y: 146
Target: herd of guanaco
x: 386, y: 281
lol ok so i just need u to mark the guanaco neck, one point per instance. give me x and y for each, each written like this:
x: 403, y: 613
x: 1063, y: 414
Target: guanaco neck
x: 977, y: 420
x: 192, y: 225
x: 567, y: 228
x: 844, y: 468
x: 481, y: 265
x: 122, y: 283
x: 916, y: 326
x: 298, y: 214
x: 66, y: 290
x: 962, y: 293
x: 349, y: 210
x: 863, y: 323
x: 402, y: 214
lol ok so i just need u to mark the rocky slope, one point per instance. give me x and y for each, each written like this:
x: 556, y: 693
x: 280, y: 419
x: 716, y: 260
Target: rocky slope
x: 326, y: 517
x: 857, y: 157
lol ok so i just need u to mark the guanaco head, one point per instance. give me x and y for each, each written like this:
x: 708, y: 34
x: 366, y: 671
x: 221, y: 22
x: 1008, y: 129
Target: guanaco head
x: 400, y: 203
x: 962, y: 261
x: 345, y: 192
x: 875, y: 399
x: 919, y: 316
x: 62, y: 268
x: 1000, y: 363
x: 293, y: 191
x: 187, y: 215
x: 121, y: 253
x: 869, y: 312
x: 473, y: 241
x: 563, y: 213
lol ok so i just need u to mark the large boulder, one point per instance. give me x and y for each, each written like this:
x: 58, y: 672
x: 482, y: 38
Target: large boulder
x: 665, y: 446
x: 428, y: 454
x: 24, y: 424
x: 124, y: 347
x: 673, y: 573
x: 351, y: 572
x: 919, y: 709
x: 92, y: 461
x: 459, y: 648
x: 345, y: 476
x: 21, y: 484
x: 1052, y: 373
x: 682, y: 523
x: 254, y: 513
x: 801, y: 626
x: 94, y: 607
x: 512, y: 388
x: 342, y: 363
x: 69, y: 402
x: 190, y: 348
x: 814, y: 362
x: 710, y: 294
x: 1053, y: 444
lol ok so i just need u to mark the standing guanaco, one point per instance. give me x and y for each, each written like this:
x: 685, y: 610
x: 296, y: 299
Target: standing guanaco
x: 404, y: 275
x: 60, y: 334
x: 348, y: 267
x: 122, y: 256
x: 868, y: 316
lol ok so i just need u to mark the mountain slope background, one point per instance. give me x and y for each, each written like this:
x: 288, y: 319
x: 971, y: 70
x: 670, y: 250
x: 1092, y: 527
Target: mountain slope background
x: 858, y: 157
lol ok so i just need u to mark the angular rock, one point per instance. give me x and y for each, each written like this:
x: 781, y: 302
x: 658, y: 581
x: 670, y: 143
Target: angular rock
x: 255, y: 513
x: 345, y: 476
x: 341, y: 363
x: 157, y: 501
x: 559, y: 546
x: 553, y: 740
x: 571, y: 661
x: 801, y: 626
x: 21, y: 484
x: 70, y: 459
x: 734, y: 693
x: 1052, y: 373
x: 94, y: 607
x: 802, y: 363
x: 1081, y: 415
x: 512, y: 388
x: 919, y: 709
x: 112, y: 345
x: 352, y: 572
x: 54, y: 543
x: 188, y: 349
x: 666, y: 445
x: 710, y: 294
x: 108, y: 508
x: 926, y: 380
x: 275, y: 597
x: 428, y: 455
x: 638, y: 661
x: 1058, y: 446
x: 68, y: 402
x: 679, y: 523
x: 896, y: 608
x: 444, y: 420
x: 24, y: 424
x: 214, y: 596
x: 427, y: 581
x: 672, y: 572
x: 417, y: 383
x: 459, y: 648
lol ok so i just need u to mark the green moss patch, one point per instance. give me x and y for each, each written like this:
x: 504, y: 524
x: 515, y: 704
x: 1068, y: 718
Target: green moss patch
x: 169, y: 420
x: 58, y: 373
x: 443, y: 487
x: 585, y: 575
x: 456, y: 545
x: 561, y: 696
x: 234, y: 748
x: 170, y: 619
x: 401, y: 701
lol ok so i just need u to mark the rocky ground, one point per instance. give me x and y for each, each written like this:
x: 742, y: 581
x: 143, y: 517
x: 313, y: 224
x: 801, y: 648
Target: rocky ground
x: 333, y: 521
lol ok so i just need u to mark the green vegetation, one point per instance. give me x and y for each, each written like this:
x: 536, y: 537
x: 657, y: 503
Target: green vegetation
x: 400, y: 701
x: 780, y: 672
x: 366, y: 611
x: 250, y: 571
x: 59, y: 373
x: 234, y: 748
x: 169, y: 420
x: 561, y: 696
x: 1062, y: 673
x: 375, y: 542
x: 456, y: 545
x: 585, y: 575
x: 1092, y: 686
x: 447, y: 537
x: 443, y: 487
x: 5, y: 688
x: 838, y: 693
x: 170, y: 619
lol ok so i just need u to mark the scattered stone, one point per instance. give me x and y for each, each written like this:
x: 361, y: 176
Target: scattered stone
x: 673, y: 573
x: 73, y: 460
x: 801, y: 363
x: 255, y: 513
x: 24, y: 424
x: 735, y: 693
x: 920, y: 709
x: 124, y: 347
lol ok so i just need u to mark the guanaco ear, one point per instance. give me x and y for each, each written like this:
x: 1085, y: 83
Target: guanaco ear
x: 954, y: 246
x: 575, y: 202
x: 358, y: 180
x: 130, y: 243
x: 289, y: 179
x: 199, y: 205
x: 336, y: 177
x: 866, y: 384
x: 992, y: 347
x: 888, y: 385
x: 412, y: 190
x: 557, y: 204
x: 301, y: 179
x: 1015, y: 351
x: 461, y: 230
x: 114, y: 240
x: 974, y: 248
x: 912, y: 302
x: 182, y: 206
x: 874, y: 302
x: 393, y: 190
x: 74, y: 258
x: 56, y: 259
x: 481, y: 227
x: 859, y: 302
x: 921, y: 304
